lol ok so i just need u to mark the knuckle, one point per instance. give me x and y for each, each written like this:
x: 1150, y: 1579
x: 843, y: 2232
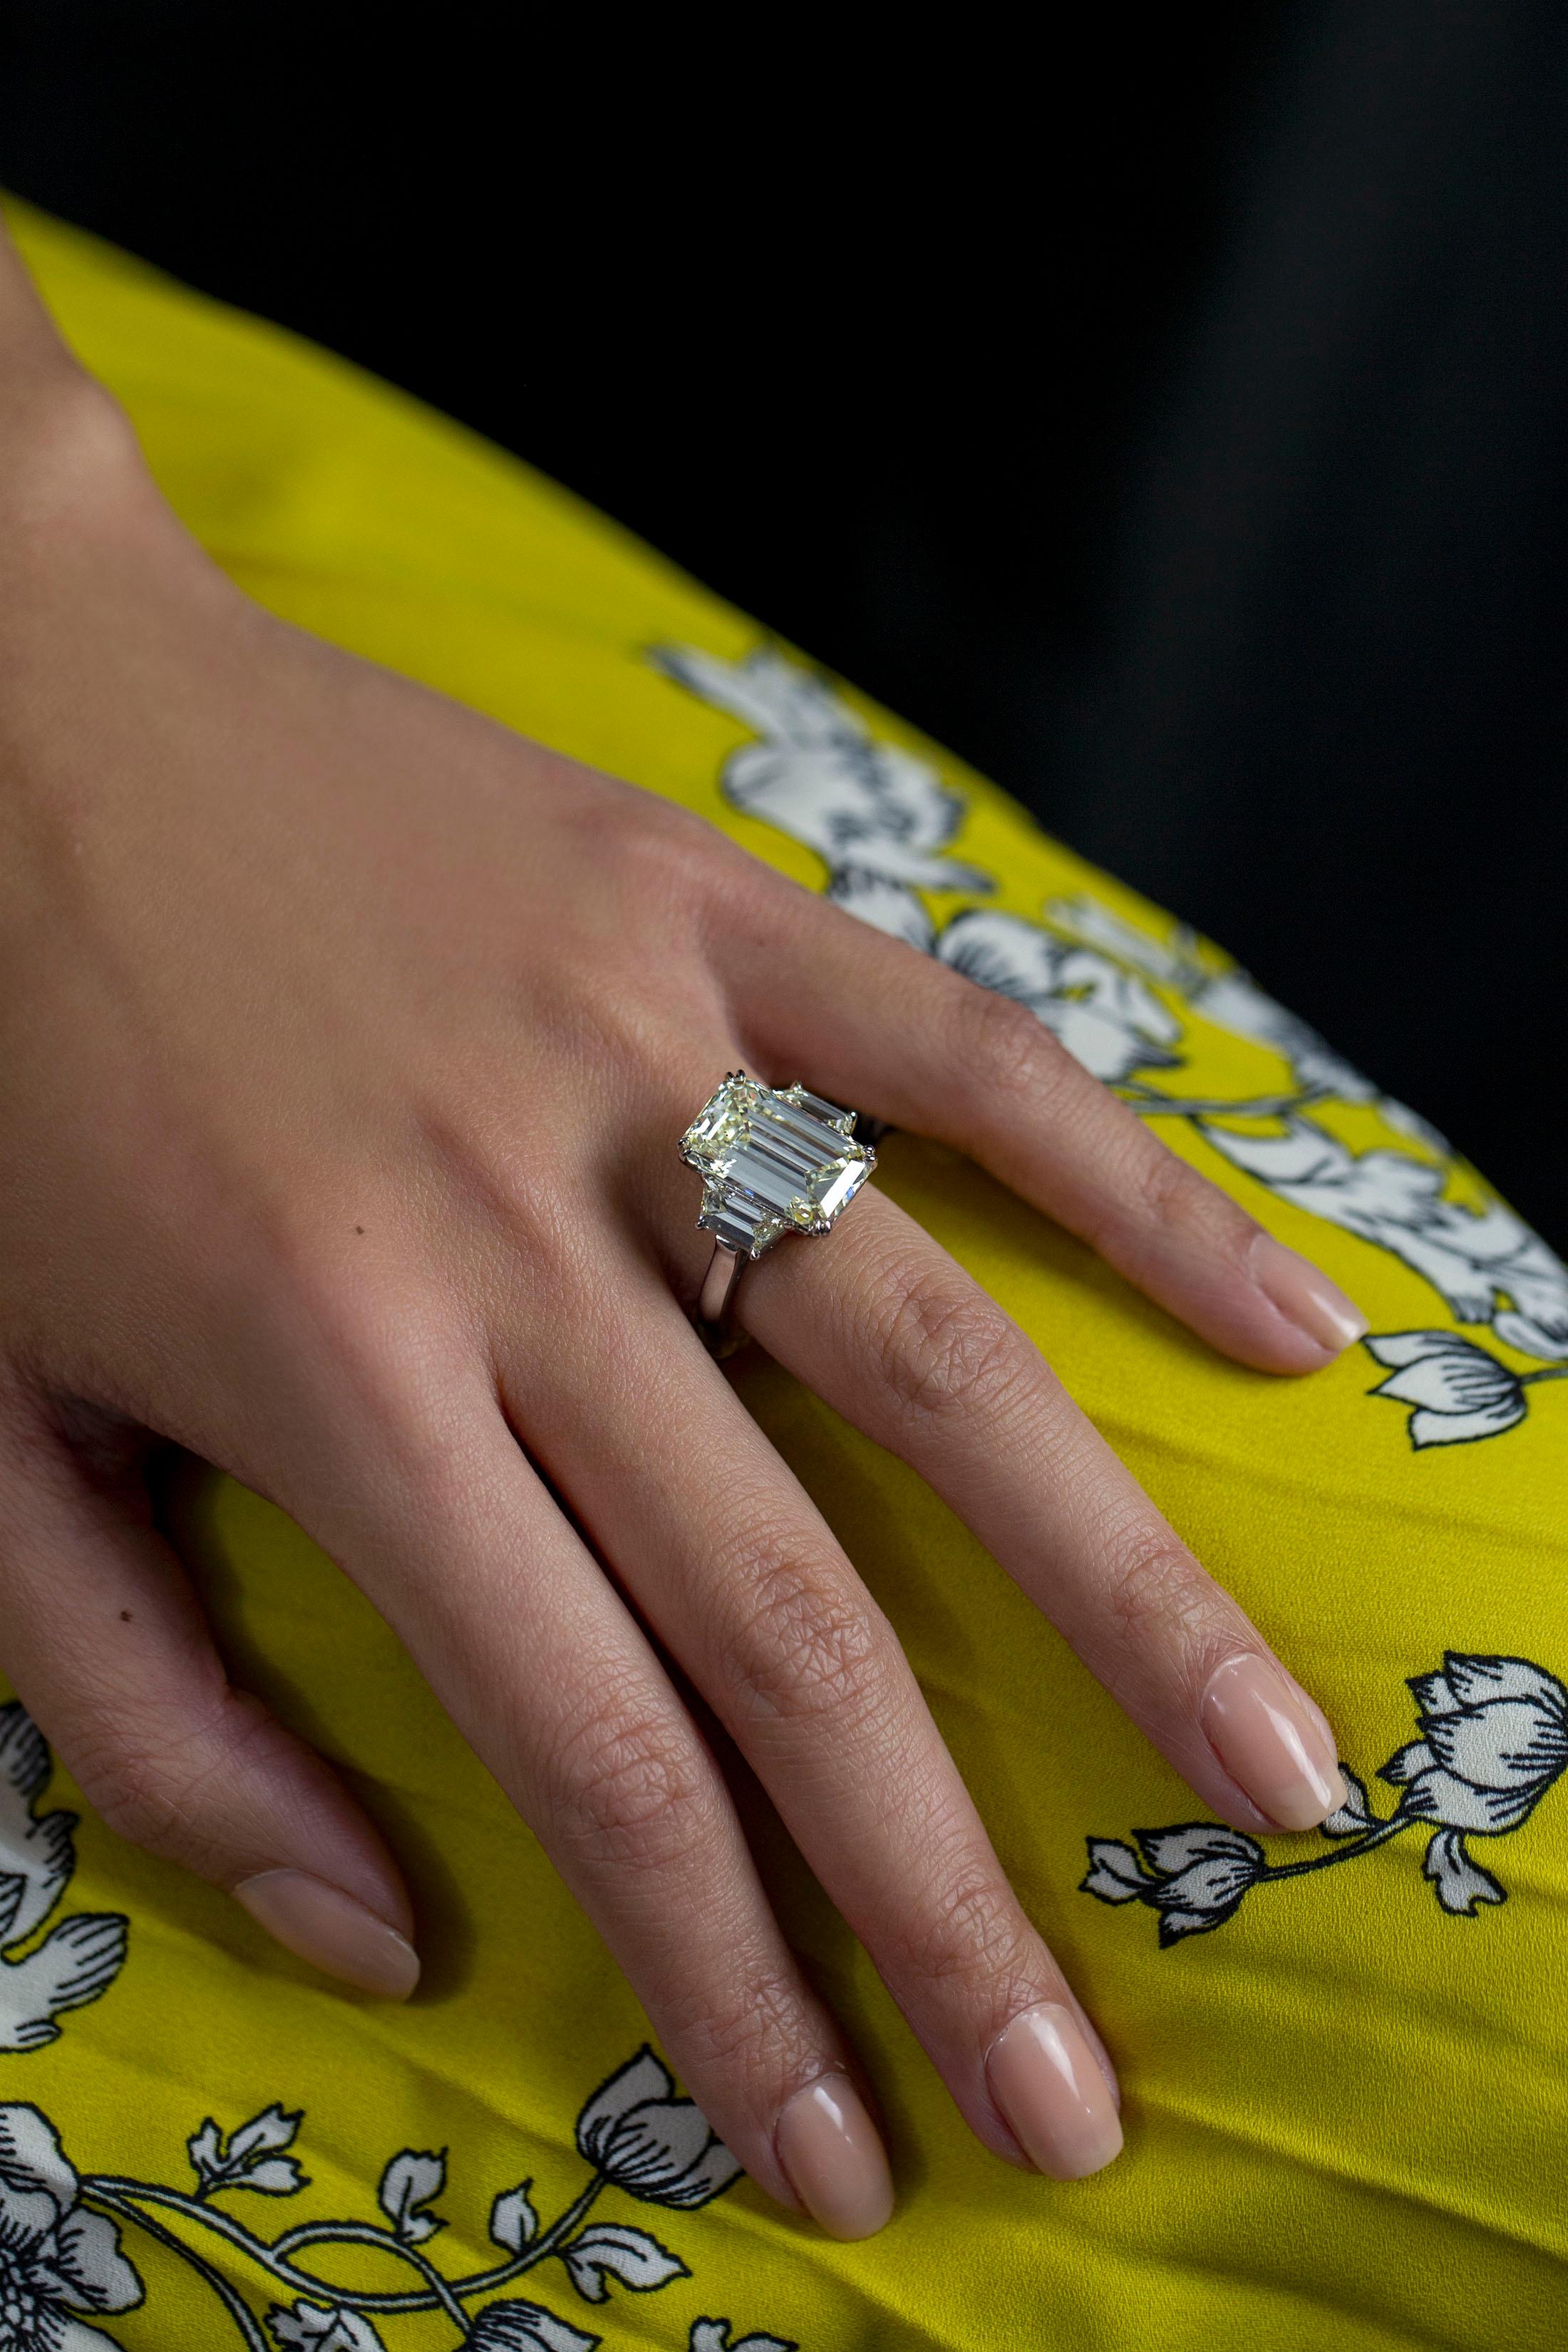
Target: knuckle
x: 945, y: 1349
x: 973, y: 1933
x: 675, y: 841
x: 632, y: 1789
x: 1178, y: 1203
x: 154, y: 1784
x: 384, y: 1353
x: 1155, y: 1589
x: 752, y: 2031
x: 800, y: 1642
x: 133, y: 1793
x: 658, y: 865
x: 1002, y: 1045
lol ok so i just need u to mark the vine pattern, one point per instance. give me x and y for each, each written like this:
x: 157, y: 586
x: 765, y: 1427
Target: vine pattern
x: 61, y: 2254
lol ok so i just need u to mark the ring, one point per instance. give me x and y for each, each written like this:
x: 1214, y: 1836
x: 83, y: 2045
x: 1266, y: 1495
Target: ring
x: 771, y: 1162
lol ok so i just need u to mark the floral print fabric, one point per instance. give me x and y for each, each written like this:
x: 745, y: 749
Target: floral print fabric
x: 1344, y: 2120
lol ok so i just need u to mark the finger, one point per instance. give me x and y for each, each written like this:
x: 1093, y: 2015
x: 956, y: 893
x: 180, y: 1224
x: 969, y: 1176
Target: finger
x: 107, y: 1647
x: 548, y: 1676
x: 871, y: 1022
x: 889, y: 1330
x: 743, y: 1582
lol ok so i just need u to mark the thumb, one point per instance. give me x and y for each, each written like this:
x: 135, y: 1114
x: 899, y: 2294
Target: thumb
x: 107, y: 1644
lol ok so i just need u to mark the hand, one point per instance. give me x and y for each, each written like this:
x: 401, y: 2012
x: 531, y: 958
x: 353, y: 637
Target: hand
x: 346, y: 1039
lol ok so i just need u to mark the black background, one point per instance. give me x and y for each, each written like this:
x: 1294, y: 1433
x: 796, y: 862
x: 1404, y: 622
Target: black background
x: 1163, y: 408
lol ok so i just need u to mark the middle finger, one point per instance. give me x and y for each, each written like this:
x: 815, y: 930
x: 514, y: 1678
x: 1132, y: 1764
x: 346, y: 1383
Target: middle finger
x: 743, y: 1582
x: 890, y: 1331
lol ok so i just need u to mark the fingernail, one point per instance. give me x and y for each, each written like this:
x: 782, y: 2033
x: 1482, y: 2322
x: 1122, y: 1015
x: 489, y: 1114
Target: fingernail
x: 1305, y: 1297
x: 836, y: 2162
x: 1046, y: 2080
x: 322, y: 1925
x: 1262, y: 1727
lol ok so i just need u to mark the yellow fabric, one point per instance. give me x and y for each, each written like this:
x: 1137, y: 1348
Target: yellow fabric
x: 1346, y: 2113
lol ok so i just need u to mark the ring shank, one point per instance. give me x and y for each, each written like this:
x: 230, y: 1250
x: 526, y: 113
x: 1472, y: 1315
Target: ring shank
x: 717, y: 1298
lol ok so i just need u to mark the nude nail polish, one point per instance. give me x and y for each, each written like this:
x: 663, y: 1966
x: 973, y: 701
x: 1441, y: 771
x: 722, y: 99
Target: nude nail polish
x: 320, y: 1924
x: 833, y: 2158
x: 1050, y: 2086
x: 1304, y: 1294
x: 1262, y: 1729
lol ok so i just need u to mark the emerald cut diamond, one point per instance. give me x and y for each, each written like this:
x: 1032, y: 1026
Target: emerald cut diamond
x: 772, y: 1164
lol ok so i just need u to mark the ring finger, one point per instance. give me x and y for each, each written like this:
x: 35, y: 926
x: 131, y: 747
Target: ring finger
x: 743, y: 1582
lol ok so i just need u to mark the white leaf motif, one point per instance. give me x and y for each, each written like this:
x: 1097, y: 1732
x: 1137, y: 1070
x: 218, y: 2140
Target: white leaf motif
x: 513, y: 2222
x: 410, y: 2181
x: 322, y: 2328
x: 264, y: 2134
x: 629, y: 2255
x: 1355, y: 1814
x: 205, y: 2148
x: 275, y: 2176
x: 1460, y: 1883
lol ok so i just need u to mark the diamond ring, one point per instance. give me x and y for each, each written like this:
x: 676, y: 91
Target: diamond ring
x: 771, y: 1162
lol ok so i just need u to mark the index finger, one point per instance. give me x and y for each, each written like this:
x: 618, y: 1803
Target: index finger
x: 868, y: 1020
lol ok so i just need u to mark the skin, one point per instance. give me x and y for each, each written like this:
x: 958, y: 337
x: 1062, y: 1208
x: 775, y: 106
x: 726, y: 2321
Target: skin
x: 344, y: 1039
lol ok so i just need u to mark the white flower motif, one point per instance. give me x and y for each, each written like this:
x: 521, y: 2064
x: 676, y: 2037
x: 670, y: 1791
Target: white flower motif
x: 655, y: 2145
x: 817, y: 774
x: 1460, y: 1391
x: 80, y: 1957
x: 1109, y: 1019
x: 1197, y: 1875
x: 1494, y: 1739
x: 55, y: 2258
x: 1233, y: 1001
x: 1487, y: 1262
x: 518, y: 2326
x: 1229, y: 997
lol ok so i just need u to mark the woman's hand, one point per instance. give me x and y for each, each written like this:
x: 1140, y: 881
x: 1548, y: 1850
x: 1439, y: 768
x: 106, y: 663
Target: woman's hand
x: 346, y: 1039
